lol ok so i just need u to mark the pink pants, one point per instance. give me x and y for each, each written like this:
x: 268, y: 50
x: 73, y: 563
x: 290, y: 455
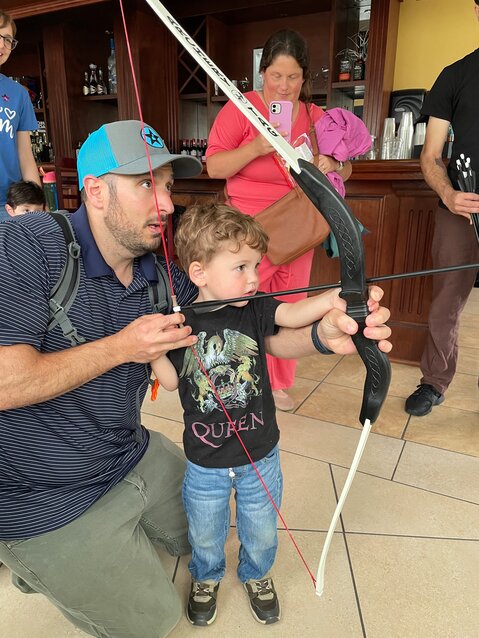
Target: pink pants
x: 275, y: 279
x: 454, y: 243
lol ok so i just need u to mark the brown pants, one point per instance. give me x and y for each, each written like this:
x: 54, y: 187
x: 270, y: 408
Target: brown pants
x: 454, y: 242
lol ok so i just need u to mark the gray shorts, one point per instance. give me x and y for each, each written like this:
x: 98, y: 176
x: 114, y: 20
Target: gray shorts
x: 102, y: 571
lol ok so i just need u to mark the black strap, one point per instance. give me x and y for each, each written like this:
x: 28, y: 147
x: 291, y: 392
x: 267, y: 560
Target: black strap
x: 159, y: 293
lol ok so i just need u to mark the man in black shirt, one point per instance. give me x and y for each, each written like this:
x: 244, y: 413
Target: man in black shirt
x: 453, y: 100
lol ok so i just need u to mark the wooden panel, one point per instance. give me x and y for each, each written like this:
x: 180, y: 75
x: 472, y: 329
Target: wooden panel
x: 198, y: 190
x: 60, y: 129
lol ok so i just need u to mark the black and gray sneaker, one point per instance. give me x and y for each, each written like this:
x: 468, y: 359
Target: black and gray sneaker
x: 201, y: 609
x: 263, y: 600
x: 422, y: 401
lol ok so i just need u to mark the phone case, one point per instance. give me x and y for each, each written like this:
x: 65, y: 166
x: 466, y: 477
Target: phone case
x: 281, y: 112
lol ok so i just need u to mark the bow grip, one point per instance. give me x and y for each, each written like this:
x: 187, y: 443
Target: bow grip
x: 353, y: 281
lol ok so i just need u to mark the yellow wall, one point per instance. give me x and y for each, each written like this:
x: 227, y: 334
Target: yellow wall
x: 432, y: 34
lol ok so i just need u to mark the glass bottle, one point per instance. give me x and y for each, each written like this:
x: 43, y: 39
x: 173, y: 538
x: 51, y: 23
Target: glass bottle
x: 112, y: 88
x: 93, y: 82
x: 101, y: 86
x: 86, y: 84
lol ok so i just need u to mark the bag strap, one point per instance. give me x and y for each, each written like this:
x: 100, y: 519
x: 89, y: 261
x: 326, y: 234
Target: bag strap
x: 65, y: 290
x: 159, y: 293
x: 312, y: 133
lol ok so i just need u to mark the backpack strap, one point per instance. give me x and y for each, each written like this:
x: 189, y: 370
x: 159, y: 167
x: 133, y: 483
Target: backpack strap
x: 65, y: 290
x: 160, y: 293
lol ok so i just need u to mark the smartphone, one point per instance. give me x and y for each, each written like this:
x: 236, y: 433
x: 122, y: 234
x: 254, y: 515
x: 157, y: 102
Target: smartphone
x: 281, y: 112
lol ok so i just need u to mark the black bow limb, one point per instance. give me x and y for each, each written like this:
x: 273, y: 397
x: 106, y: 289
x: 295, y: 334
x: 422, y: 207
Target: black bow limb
x: 354, y: 291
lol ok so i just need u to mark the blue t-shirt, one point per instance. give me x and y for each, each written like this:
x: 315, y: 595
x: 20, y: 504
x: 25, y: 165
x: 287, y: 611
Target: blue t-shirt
x: 16, y: 114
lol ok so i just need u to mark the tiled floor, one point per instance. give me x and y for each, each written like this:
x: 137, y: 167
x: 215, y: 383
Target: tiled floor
x: 404, y: 562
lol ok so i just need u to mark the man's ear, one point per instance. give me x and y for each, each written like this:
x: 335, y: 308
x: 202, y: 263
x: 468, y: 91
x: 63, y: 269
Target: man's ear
x: 95, y: 189
x: 9, y: 210
x: 197, y: 274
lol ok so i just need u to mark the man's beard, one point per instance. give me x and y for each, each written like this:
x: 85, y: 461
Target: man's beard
x: 125, y: 234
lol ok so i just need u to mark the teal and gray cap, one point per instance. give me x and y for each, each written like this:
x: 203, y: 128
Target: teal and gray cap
x: 119, y: 148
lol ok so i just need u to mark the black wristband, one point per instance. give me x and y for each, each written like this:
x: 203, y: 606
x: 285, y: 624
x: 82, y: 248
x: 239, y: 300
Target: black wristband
x: 317, y: 343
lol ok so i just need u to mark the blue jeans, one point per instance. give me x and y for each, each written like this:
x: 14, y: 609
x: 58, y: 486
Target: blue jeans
x: 206, y: 497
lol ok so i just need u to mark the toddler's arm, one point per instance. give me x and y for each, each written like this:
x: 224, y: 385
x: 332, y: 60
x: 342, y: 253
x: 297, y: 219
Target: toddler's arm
x: 165, y: 372
x: 302, y: 313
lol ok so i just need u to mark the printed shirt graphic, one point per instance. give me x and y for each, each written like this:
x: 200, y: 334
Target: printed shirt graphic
x: 232, y: 352
x: 16, y: 114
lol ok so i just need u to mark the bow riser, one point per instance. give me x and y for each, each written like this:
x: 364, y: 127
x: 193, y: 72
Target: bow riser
x: 353, y: 282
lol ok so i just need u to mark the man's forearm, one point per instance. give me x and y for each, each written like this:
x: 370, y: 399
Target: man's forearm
x: 28, y: 377
x: 435, y: 175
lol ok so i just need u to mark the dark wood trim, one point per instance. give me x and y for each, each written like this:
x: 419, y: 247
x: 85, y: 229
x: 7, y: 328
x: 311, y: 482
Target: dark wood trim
x: 45, y: 6
x: 60, y: 125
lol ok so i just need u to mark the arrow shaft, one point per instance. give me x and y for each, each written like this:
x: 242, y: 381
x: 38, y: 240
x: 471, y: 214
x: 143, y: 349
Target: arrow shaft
x: 205, y: 306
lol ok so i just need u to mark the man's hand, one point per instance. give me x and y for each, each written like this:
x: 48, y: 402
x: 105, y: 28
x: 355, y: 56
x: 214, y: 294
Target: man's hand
x: 336, y: 326
x: 461, y: 203
x: 151, y: 336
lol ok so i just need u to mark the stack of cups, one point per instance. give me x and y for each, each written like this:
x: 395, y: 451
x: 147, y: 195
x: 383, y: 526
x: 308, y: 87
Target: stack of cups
x: 389, y: 134
x: 405, y: 134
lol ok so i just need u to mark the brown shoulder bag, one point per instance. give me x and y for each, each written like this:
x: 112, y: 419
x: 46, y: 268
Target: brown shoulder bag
x: 293, y: 224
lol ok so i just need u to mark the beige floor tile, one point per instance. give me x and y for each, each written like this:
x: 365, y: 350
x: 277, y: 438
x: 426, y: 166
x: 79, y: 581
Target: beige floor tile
x: 316, y: 367
x: 399, y: 599
x: 349, y: 372
x: 472, y: 301
x: 472, y: 307
x: 342, y: 405
x: 302, y: 388
x: 468, y: 322
x: 468, y: 360
x: 463, y: 393
x: 336, y: 444
x: 172, y: 429
x: 379, y: 506
x: 167, y: 404
x: 30, y: 616
x: 305, y: 508
x: 404, y: 379
x: 439, y: 471
x: 446, y: 428
x: 468, y: 337
x: 304, y: 614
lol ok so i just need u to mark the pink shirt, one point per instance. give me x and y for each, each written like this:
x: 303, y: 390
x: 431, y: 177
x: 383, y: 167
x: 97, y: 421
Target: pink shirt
x: 261, y: 182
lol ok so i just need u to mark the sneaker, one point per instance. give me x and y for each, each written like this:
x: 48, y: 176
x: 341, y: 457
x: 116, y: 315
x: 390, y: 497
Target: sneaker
x: 201, y: 609
x: 263, y: 600
x: 282, y: 400
x: 422, y: 401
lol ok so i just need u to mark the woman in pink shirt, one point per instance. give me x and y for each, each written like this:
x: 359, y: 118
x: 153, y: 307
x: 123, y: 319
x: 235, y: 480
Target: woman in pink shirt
x: 238, y: 153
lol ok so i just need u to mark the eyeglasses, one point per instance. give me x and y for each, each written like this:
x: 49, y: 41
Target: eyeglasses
x: 9, y: 42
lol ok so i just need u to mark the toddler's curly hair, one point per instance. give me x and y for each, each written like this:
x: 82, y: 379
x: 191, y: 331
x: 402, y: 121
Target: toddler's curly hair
x: 203, y: 228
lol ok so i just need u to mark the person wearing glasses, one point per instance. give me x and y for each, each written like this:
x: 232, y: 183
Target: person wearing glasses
x: 17, y: 119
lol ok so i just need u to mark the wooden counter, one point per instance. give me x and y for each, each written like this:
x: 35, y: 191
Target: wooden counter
x: 393, y: 202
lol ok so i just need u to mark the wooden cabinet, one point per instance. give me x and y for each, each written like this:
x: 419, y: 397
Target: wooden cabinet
x: 397, y: 207
x: 176, y: 95
x: 230, y: 36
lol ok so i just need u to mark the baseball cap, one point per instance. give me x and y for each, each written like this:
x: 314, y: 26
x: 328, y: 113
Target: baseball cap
x: 119, y: 148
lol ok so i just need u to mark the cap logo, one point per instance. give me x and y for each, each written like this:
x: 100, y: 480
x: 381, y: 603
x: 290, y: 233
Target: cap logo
x: 152, y: 138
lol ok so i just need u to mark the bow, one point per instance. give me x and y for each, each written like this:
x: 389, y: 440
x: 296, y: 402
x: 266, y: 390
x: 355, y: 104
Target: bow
x: 351, y: 253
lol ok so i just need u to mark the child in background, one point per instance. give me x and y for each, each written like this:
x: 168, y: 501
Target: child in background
x: 25, y: 197
x: 221, y: 249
